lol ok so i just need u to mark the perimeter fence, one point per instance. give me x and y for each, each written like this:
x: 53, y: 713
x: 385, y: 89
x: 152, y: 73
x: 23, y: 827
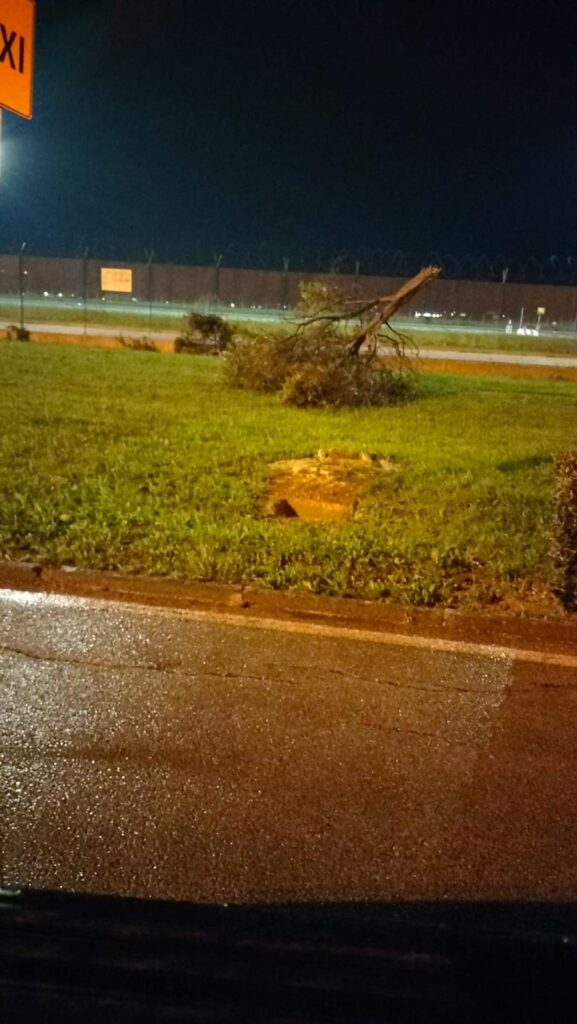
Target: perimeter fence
x: 33, y: 280
x: 314, y: 259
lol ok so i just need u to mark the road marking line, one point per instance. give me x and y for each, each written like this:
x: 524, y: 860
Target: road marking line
x: 386, y: 639
x: 320, y: 629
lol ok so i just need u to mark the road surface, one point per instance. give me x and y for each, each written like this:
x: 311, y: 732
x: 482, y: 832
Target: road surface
x: 201, y: 756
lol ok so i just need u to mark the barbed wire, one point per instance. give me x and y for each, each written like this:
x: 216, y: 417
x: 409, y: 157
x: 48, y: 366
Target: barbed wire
x: 312, y: 259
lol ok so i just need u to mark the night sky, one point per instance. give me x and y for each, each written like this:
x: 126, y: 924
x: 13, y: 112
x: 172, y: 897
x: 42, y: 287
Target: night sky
x: 402, y: 125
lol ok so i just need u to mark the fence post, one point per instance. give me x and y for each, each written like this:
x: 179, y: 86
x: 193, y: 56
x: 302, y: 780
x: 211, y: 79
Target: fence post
x: 217, y: 263
x: 286, y: 263
x: 149, y: 255
x: 21, y: 283
x: 504, y: 277
x: 84, y: 285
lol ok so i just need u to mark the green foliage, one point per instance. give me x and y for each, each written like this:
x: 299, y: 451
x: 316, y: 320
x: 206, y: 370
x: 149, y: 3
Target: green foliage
x: 346, y: 382
x: 565, y: 547
x: 204, y: 334
x: 262, y: 361
x: 17, y: 333
x: 319, y: 296
x: 313, y: 367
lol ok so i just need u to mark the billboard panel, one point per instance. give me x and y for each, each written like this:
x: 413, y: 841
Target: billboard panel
x: 115, y: 279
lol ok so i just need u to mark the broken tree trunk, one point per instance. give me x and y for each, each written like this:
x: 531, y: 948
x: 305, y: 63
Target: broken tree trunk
x: 384, y: 308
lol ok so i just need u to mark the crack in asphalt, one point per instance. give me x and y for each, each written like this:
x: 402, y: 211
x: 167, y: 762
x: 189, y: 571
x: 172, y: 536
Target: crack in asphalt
x: 285, y: 672
x: 79, y: 662
x: 277, y: 674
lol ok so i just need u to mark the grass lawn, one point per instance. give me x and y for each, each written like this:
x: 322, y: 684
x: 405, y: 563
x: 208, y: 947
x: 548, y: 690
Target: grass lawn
x: 144, y: 463
x: 494, y: 341
x: 110, y: 320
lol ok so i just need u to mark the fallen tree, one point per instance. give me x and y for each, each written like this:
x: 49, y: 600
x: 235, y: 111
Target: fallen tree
x: 373, y: 314
x: 332, y: 356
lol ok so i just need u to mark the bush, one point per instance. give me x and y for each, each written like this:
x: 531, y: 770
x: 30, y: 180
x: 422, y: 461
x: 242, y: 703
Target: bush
x: 348, y: 381
x: 16, y: 333
x: 204, y: 334
x: 261, y: 362
x: 313, y: 368
x: 565, y: 550
x: 138, y: 344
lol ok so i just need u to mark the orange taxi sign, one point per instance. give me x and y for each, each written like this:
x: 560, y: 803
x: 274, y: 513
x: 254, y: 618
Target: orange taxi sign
x: 17, y: 55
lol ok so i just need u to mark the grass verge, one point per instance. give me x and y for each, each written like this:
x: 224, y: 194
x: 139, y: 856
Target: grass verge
x: 115, y: 319
x: 118, y: 460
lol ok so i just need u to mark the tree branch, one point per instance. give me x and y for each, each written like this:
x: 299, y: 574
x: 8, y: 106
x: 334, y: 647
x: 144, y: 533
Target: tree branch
x: 387, y: 306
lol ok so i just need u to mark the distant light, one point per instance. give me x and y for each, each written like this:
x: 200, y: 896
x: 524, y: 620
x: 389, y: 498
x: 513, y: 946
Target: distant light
x: 46, y: 294
x: 232, y: 306
x: 60, y: 295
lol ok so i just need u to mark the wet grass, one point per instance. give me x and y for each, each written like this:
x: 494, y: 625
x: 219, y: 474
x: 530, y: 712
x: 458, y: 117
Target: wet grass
x: 108, y: 319
x: 545, y: 344
x: 121, y: 460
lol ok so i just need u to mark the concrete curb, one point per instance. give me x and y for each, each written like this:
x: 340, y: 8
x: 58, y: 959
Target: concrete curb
x: 559, y: 635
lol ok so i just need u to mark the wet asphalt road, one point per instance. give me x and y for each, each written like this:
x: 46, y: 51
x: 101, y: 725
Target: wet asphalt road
x: 189, y: 756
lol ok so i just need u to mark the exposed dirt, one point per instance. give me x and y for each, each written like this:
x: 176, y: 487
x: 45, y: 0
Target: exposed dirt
x: 479, y: 369
x: 324, y: 487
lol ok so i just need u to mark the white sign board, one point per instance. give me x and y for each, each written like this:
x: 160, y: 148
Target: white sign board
x: 115, y: 279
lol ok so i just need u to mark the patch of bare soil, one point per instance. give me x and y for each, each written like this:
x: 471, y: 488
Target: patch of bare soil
x: 497, y: 369
x: 324, y: 487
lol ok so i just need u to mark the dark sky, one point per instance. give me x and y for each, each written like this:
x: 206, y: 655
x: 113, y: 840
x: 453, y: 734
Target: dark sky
x: 417, y: 125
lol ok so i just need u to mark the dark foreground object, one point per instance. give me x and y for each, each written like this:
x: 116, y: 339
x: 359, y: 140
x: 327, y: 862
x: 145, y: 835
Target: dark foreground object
x: 91, y: 959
